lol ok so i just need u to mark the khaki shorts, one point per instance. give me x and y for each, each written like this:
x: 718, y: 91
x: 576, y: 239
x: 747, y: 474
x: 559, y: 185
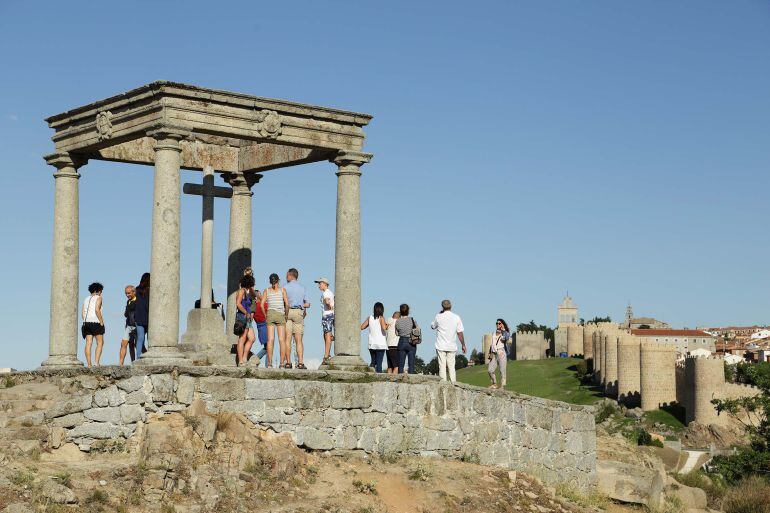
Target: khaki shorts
x: 276, y: 318
x: 295, y: 324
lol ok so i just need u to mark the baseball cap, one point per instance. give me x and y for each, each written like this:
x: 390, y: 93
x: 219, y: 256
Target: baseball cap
x: 322, y: 280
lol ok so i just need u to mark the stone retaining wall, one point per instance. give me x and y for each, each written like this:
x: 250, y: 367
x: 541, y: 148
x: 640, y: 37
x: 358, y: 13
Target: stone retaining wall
x: 337, y: 410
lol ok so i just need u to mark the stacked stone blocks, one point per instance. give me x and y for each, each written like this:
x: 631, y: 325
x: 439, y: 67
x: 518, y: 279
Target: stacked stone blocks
x: 326, y: 411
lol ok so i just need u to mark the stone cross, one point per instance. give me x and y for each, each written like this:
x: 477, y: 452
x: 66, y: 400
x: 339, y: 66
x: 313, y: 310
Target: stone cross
x: 208, y: 191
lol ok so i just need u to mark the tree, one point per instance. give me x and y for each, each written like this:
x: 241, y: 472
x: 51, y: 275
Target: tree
x: 644, y: 327
x: 754, y: 414
x: 461, y: 361
x: 597, y: 320
x: 419, y: 365
x: 533, y: 326
x: 432, y: 367
x: 477, y: 357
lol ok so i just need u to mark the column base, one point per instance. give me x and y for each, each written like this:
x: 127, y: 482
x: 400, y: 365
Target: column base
x: 62, y: 360
x: 347, y: 363
x: 205, y: 339
x: 164, y: 356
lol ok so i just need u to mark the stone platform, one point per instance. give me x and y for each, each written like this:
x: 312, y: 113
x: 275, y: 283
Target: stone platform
x: 328, y: 410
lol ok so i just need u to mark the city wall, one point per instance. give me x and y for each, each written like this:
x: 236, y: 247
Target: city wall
x: 531, y: 345
x: 377, y: 414
x: 648, y: 374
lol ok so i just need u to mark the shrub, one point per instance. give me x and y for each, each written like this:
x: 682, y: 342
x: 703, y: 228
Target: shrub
x: 420, y: 473
x: 581, y: 369
x: 715, y: 488
x: 746, y: 461
x: 606, y: 410
x: 97, y: 497
x: 752, y: 495
x: 367, y: 488
x: 64, y: 478
x: 9, y: 382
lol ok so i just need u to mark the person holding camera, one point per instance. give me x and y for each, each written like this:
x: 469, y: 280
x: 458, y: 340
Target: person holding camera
x: 498, y: 353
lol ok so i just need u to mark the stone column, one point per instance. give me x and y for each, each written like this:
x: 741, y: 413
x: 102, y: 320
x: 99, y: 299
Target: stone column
x: 239, y: 252
x: 163, y: 329
x: 63, y: 329
x: 347, y: 262
x: 207, y: 238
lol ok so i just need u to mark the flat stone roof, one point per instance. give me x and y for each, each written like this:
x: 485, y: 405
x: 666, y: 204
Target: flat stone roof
x: 215, y: 95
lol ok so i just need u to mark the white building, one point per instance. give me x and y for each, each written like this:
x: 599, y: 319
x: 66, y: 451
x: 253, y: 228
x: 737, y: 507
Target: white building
x: 685, y: 340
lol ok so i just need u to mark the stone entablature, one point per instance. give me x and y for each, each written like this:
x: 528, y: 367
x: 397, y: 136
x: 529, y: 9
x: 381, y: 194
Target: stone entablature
x: 232, y: 132
x: 336, y: 410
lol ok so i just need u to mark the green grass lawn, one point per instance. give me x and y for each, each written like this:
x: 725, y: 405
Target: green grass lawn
x: 671, y: 416
x: 553, y: 378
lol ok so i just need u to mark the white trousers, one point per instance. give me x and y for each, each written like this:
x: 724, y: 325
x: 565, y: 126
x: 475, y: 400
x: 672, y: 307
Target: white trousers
x: 446, y: 359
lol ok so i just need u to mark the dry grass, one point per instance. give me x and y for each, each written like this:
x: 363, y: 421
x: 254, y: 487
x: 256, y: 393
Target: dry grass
x: 752, y: 495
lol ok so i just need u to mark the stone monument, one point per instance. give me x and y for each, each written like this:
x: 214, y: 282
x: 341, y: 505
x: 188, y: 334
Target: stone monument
x: 174, y: 126
x: 205, y: 338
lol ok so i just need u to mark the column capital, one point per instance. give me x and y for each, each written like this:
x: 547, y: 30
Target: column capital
x: 242, y: 182
x: 66, y: 164
x: 351, y: 158
x: 167, y: 137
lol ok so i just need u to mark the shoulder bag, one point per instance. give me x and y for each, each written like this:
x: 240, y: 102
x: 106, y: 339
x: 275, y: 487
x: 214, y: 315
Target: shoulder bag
x: 415, y: 337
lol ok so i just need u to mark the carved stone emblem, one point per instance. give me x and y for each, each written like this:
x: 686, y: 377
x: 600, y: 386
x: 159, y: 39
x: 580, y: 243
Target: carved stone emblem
x: 269, y: 123
x: 104, y: 124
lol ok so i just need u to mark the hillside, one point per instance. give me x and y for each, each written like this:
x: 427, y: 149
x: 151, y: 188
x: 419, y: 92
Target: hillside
x: 553, y: 378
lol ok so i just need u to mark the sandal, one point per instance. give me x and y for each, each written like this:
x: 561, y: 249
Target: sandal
x: 287, y: 365
x: 325, y: 361
x: 301, y: 366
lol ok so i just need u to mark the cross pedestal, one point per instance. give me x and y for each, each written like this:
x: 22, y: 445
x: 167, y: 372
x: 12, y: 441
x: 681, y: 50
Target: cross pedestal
x: 205, y: 339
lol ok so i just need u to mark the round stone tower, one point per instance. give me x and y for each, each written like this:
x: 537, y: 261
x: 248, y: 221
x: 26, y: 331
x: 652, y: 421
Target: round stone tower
x: 704, y: 378
x: 599, y: 359
x: 629, y: 370
x: 588, y: 335
x: 610, y: 371
x: 575, y: 340
x: 658, y: 375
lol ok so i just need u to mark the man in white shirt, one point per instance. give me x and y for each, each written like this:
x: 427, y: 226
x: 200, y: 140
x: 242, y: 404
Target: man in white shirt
x: 449, y: 327
x: 327, y: 316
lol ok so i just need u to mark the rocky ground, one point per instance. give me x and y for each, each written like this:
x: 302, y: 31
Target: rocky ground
x: 193, y: 461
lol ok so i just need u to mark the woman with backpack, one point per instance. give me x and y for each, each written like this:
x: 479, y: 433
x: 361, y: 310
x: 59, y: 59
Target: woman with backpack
x: 498, y: 353
x: 408, y: 337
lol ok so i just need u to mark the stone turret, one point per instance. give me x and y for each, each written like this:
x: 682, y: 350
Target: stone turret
x: 610, y: 372
x: 629, y: 370
x: 575, y: 340
x: 588, y: 340
x: 486, y: 343
x: 704, y: 379
x: 598, y: 356
x: 658, y: 375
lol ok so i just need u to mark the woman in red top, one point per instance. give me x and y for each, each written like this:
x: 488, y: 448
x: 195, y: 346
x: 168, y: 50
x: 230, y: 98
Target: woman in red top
x: 261, y: 321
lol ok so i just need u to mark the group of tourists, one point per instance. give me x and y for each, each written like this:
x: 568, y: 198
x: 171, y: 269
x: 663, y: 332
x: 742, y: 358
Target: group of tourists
x: 396, y: 339
x: 278, y: 313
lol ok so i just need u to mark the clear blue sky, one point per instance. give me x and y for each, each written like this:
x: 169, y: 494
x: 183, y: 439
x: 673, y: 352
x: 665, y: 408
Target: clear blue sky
x: 616, y: 149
